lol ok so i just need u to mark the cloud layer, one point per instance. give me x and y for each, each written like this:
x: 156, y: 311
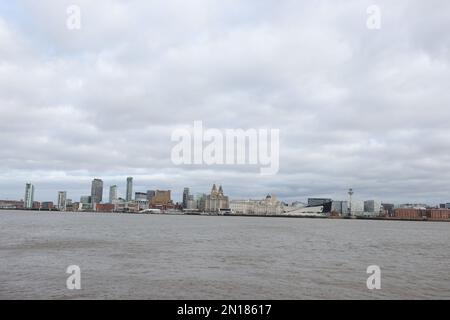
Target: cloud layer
x: 360, y: 108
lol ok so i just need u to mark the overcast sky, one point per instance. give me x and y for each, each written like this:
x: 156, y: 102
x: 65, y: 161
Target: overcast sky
x: 361, y: 108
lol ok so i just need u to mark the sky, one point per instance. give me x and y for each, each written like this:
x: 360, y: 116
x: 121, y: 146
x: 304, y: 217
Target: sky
x: 355, y: 107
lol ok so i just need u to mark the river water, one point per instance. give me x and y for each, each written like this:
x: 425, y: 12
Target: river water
x: 124, y: 256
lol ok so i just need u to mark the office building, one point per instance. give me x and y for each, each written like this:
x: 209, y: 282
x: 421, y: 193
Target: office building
x: 185, y: 198
x: 47, y: 205
x: 96, y: 191
x: 162, y: 198
x: 372, y: 207
x: 129, y: 195
x: 85, y: 199
x: 62, y: 200
x: 150, y: 195
x: 112, y: 193
x: 29, y: 196
x: 339, y: 207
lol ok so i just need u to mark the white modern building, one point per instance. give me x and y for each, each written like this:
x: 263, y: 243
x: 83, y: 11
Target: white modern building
x: 112, y: 193
x: 129, y: 195
x: 62, y: 200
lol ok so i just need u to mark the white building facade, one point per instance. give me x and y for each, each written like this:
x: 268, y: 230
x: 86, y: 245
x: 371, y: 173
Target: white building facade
x: 268, y: 206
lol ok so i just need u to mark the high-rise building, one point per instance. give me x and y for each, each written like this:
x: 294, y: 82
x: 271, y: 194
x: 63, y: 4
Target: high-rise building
x: 112, y: 193
x: 29, y: 196
x: 62, y: 200
x: 185, y: 197
x: 129, y: 195
x: 97, y: 191
x: 150, y: 194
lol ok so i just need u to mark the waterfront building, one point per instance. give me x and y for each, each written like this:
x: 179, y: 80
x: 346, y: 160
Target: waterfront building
x: 11, y: 204
x: 268, y: 206
x: 388, y: 208
x: 96, y: 191
x: 36, y: 205
x: 191, y: 203
x: 85, y: 199
x: 298, y: 204
x: 112, y: 193
x: 312, y: 202
x: 216, y: 201
x: 140, y: 196
x: 421, y: 206
x: 357, y: 207
x: 200, y: 198
x: 372, y: 208
x: 62, y: 200
x: 185, y: 198
x: 162, y: 199
x: 121, y: 205
x: 339, y: 207
x: 29, y: 196
x: 150, y: 195
x: 142, y: 204
x: 48, y: 205
x: 129, y: 195
x: 104, y: 207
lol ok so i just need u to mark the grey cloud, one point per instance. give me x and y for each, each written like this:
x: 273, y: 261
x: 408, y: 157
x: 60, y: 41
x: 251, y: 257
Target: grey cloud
x: 354, y: 107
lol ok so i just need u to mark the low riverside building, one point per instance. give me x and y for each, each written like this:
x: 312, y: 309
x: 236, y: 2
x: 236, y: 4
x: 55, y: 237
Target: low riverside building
x: 48, y: 205
x: 422, y: 214
x: 142, y: 204
x: 268, y: 206
x: 104, y: 207
x: 121, y: 205
x: 11, y: 204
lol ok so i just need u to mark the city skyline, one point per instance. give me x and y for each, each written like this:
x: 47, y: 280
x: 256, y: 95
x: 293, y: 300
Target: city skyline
x: 355, y: 107
x: 110, y: 192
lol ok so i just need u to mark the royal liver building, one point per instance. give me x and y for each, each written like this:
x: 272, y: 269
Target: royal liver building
x: 216, y: 201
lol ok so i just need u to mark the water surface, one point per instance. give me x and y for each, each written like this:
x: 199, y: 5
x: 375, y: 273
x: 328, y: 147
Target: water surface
x: 125, y: 256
